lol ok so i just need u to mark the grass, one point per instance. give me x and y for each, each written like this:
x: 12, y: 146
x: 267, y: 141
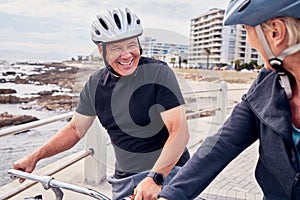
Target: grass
x: 229, y: 76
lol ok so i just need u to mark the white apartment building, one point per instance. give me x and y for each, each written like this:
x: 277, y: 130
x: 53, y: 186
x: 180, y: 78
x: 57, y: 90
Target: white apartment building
x: 164, y: 45
x: 226, y: 44
x: 160, y: 50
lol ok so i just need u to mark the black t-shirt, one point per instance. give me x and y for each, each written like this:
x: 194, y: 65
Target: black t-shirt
x: 129, y: 109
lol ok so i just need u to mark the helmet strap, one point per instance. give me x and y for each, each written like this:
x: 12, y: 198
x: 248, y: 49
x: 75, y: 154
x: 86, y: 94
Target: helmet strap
x: 140, y: 46
x: 107, y: 65
x: 277, y: 62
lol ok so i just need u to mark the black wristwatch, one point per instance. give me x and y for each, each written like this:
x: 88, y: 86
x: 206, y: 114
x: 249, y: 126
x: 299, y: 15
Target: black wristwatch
x: 158, y: 178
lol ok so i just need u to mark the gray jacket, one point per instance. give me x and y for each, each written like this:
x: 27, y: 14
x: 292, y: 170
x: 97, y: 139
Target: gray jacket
x: 264, y: 114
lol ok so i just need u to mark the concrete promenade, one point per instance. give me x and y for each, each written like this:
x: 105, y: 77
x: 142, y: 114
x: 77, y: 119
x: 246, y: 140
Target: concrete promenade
x: 236, y: 181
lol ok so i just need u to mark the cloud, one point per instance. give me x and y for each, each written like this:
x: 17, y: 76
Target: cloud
x: 84, y: 11
x: 63, y: 25
x: 45, y: 8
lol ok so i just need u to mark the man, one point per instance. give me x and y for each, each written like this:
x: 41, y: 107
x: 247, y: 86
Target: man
x: 269, y: 112
x: 138, y: 101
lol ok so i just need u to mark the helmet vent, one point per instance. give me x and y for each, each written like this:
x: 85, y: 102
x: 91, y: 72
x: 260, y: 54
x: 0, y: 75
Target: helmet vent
x: 128, y: 18
x: 244, y: 5
x: 97, y: 32
x: 117, y: 20
x: 138, y: 21
x: 102, y: 22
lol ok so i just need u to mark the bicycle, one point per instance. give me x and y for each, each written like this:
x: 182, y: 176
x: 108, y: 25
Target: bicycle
x: 49, y: 182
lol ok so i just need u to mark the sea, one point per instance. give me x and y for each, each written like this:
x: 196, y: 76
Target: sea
x: 14, y: 147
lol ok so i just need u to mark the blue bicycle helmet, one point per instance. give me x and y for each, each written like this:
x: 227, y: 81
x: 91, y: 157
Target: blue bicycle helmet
x: 254, y: 12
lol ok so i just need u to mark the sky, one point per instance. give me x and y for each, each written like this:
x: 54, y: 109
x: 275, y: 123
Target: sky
x: 57, y: 30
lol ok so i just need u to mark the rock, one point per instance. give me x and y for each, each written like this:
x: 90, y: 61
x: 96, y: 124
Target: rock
x: 7, y: 91
x: 13, y: 99
x: 7, y: 119
x: 45, y: 93
x: 57, y: 74
x: 19, y: 80
x: 3, y: 80
x: 9, y: 73
x: 59, y: 102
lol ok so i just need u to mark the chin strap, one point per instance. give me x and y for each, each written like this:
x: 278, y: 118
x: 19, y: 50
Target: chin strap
x: 277, y: 62
x: 107, y: 65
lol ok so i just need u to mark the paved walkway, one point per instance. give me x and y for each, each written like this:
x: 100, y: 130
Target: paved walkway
x: 236, y: 181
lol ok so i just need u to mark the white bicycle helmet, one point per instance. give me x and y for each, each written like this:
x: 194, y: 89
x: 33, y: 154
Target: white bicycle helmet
x: 114, y: 25
x: 255, y: 12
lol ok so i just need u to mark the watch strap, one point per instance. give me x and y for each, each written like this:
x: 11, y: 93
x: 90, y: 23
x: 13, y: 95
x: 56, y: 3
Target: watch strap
x: 158, y: 178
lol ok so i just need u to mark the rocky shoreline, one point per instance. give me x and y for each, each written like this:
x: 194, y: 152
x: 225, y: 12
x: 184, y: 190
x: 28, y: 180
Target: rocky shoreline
x: 73, y: 77
x: 60, y: 74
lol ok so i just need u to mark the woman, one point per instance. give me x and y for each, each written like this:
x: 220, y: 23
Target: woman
x: 269, y: 112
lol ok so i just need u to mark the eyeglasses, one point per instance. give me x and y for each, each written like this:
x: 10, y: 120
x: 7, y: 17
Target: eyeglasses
x: 119, y: 49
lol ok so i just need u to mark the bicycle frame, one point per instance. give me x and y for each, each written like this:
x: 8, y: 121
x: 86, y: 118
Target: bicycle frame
x: 49, y: 182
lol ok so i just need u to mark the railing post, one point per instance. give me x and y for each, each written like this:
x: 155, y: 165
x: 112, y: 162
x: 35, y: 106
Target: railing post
x: 95, y: 165
x: 222, y: 104
x: 220, y: 116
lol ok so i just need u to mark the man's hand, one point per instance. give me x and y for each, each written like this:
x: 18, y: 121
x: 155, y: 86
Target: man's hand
x: 26, y: 164
x: 147, y: 190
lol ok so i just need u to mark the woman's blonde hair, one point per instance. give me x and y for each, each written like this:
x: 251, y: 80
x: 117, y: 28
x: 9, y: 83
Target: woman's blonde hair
x: 292, y: 26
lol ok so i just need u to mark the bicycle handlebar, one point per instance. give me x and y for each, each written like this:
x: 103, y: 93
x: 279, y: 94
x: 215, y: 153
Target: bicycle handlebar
x: 49, y: 182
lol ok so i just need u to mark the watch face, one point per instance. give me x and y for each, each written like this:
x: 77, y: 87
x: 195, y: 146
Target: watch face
x: 159, y: 179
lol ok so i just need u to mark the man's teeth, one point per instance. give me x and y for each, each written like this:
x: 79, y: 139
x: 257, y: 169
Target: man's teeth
x: 125, y: 63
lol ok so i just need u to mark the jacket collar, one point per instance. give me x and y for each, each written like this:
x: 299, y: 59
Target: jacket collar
x: 269, y: 102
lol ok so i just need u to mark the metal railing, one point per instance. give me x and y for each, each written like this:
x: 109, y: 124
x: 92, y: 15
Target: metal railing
x: 95, y: 168
x: 95, y: 171
x: 29, y: 184
x: 34, y: 124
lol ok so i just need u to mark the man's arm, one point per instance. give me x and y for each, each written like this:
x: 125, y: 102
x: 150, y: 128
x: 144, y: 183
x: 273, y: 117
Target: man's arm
x: 176, y: 123
x: 63, y: 140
